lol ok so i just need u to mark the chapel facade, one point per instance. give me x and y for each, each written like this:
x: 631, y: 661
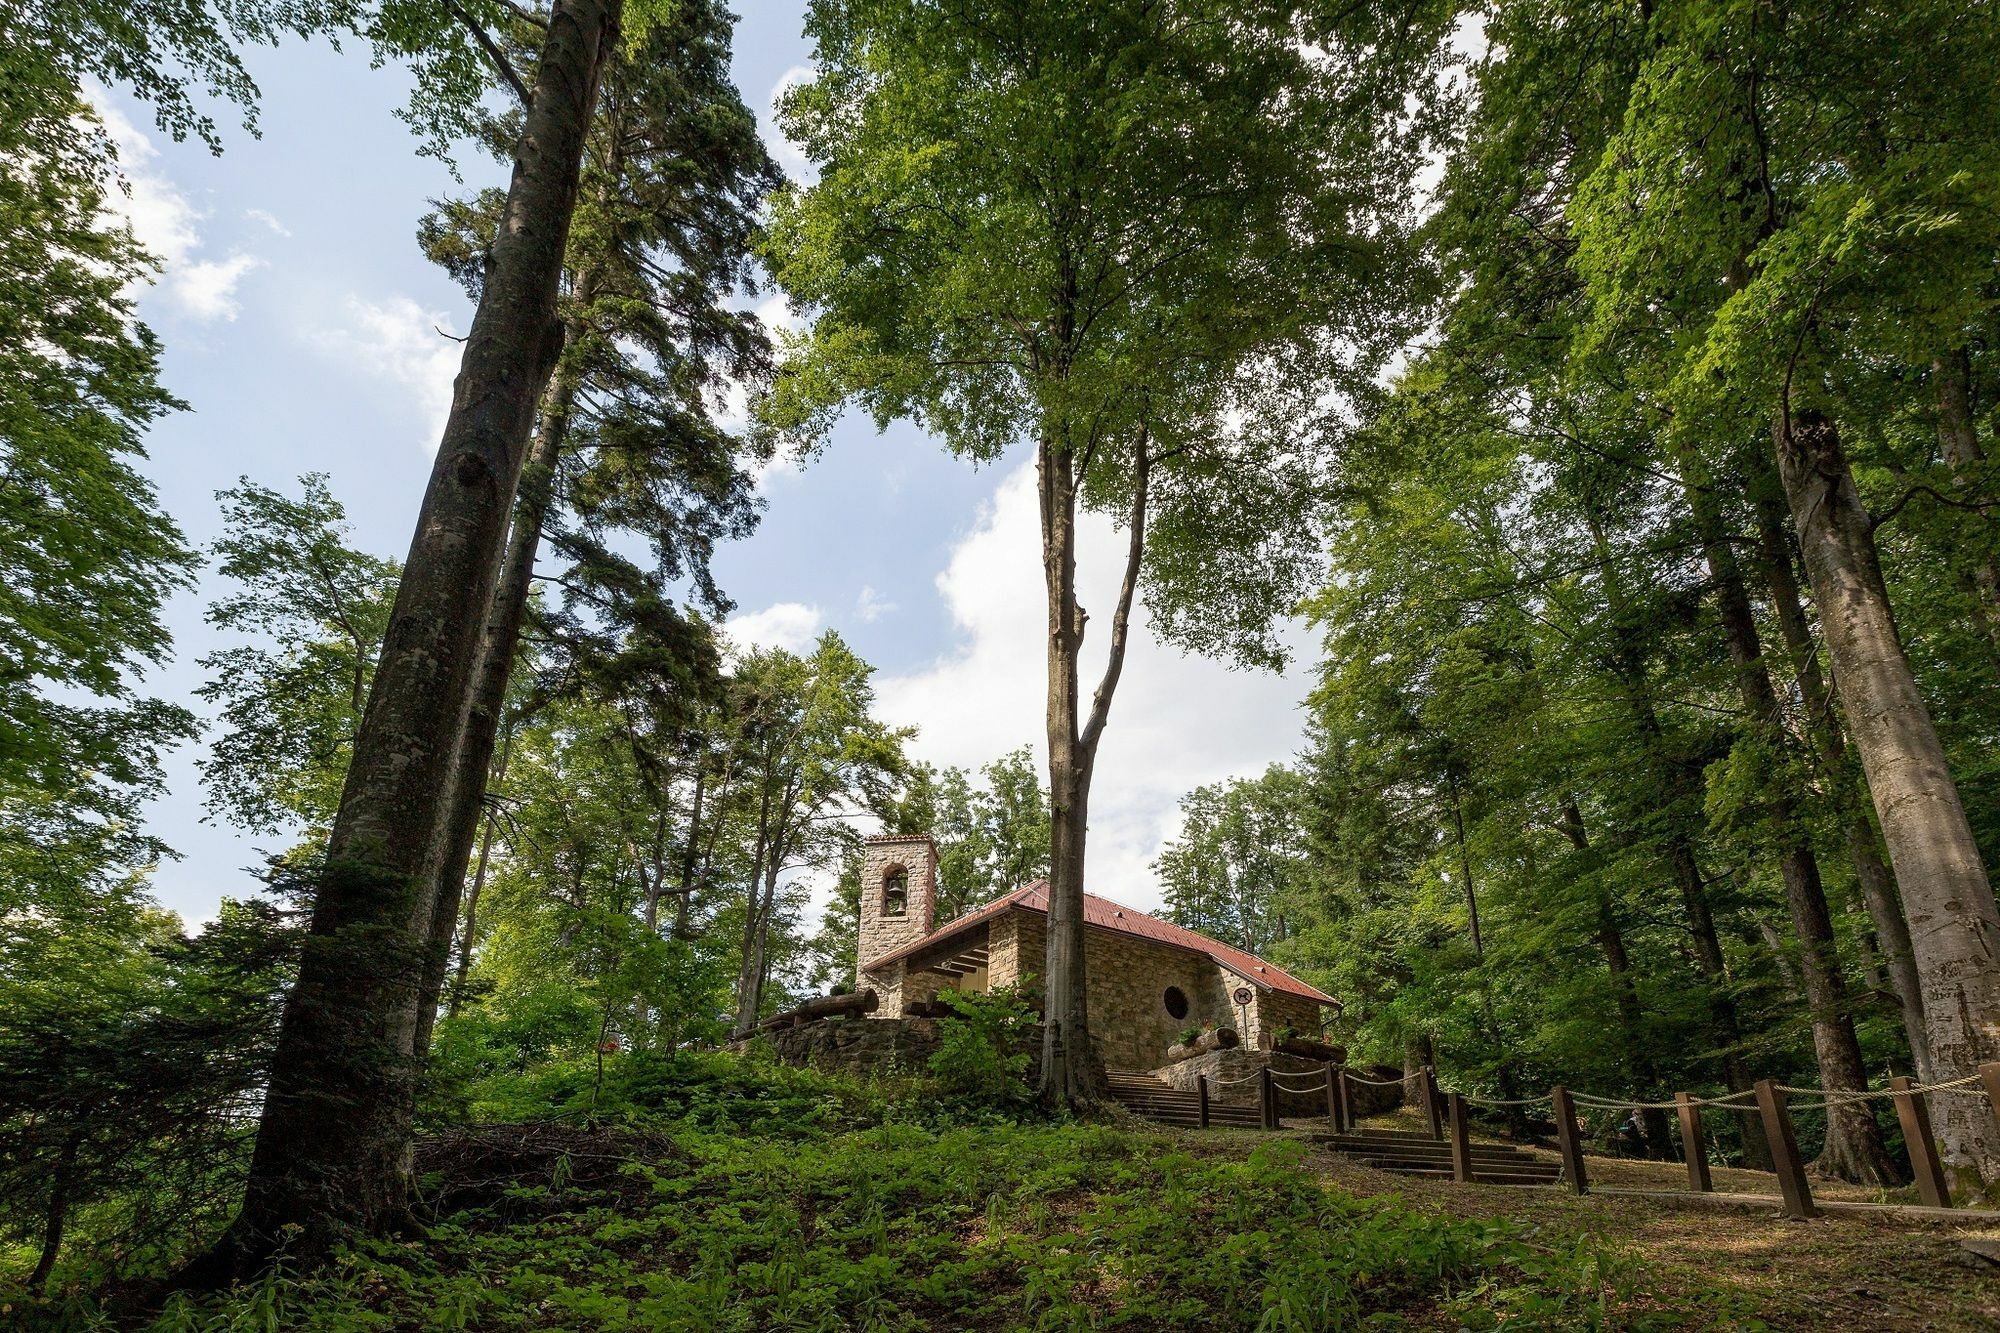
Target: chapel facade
x: 1148, y: 979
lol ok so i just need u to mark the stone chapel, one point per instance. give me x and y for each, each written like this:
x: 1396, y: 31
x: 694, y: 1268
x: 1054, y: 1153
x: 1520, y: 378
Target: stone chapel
x: 1148, y: 979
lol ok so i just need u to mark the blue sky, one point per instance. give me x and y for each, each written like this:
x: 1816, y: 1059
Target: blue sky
x: 302, y: 327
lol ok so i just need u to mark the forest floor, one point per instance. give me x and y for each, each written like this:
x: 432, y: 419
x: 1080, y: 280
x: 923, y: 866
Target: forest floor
x: 1838, y: 1271
x: 732, y: 1196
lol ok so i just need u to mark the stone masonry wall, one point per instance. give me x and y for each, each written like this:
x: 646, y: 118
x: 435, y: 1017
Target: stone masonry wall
x: 880, y: 933
x: 1127, y: 980
x: 1277, y: 1010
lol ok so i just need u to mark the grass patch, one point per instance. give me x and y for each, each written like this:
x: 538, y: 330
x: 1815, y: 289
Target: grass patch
x: 910, y: 1227
x: 722, y: 1194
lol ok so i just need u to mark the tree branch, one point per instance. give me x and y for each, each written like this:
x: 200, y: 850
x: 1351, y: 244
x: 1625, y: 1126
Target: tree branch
x: 493, y: 52
x: 1121, y: 619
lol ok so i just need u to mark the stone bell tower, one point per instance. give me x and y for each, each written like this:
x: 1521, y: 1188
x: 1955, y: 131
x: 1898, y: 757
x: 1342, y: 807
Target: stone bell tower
x: 898, y: 898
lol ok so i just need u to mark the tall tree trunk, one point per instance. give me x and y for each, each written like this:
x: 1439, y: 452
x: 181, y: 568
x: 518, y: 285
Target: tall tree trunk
x: 690, y: 853
x: 1960, y: 440
x: 753, y: 910
x: 1854, y: 1148
x: 1072, y: 1071
x: 468, y: 931
x: 1611, y: 942
x: 55, y: 1218
x: 1068, y: 1054
x: 1954, y: 925
x: 1671, y: 775
x: 1778, y: 550
x: 466, y: 793
x: 333, y: 1144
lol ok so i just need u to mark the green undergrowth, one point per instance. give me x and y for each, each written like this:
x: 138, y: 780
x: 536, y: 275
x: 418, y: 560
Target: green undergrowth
x: 718, y: 1194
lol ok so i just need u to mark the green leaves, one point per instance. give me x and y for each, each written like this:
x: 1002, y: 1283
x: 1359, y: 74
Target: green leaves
x: 313, y: 610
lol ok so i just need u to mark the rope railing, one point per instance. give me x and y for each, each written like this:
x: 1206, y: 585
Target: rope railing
x: 1732, y: 1100
x: 1967, y: 1084
x: 1770, y: 1101
x: 1227, y: 1082
x: 1447, y: 1113
x: 1353, y: 1077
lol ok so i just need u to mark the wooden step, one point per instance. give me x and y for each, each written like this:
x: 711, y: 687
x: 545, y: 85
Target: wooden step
x: 1522, y: 1168
x: 1417, y: 1148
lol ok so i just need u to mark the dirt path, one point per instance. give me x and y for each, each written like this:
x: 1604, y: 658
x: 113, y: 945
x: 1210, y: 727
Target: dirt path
x: 1853, y: 1273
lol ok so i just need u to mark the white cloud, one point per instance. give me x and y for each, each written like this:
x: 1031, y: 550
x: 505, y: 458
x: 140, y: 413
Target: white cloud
x: 870, y: 606
x: 1177, y: 722
x: 795, y: 163
x: 167, y: 224
x: 789, y: 625
x: 206, y: 289
x: 400, y: 343
x: 269, y: 220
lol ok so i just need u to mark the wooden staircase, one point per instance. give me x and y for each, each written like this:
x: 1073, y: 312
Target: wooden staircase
x: 1154, y: 1098
x: 1417, y: 1155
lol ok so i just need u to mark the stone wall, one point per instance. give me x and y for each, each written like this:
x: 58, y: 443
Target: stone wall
x: 1232, y: 1077
x: 880, y: 933
x: 1276, y: 1009
x: 1128, y: 980
x: 1126, y: 985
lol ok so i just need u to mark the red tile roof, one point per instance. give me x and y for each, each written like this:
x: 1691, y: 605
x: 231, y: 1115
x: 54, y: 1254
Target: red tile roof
x: 1107, y: 915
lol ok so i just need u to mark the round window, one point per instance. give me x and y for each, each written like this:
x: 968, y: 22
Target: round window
x: 1176, y: 1002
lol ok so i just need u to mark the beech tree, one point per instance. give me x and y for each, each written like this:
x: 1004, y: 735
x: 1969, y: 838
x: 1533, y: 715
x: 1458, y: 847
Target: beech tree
x: 626, y: 440
x: 1785, y: 164
x: 1110, y: 232
x: 332, y: 1145
x: 809, y: 757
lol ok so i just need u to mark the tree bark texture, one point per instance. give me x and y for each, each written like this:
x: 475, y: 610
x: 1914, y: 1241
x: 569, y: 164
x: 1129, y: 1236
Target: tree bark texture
x: 1854, y: 1147
x: 1822, y: 727
x: 1067, y: 1052
x: 1072, y: 1072
x: 332, y: 1150
x: 1954, y: 926
x: 472, y: 768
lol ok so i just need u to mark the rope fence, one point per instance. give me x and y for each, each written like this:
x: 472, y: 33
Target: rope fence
x: 1769, y: 1100
x: 1447, y: 1112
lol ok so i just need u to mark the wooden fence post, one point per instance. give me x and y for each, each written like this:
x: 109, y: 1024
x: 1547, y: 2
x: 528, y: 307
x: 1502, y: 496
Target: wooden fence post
x: 1692, y: 1146
x: 1461, y: 1142
x: 1268, y: 1096
x: 1924, y: 1164
x: 1332, y: 1100
x: 1201, y: 1097
x: 1784, y: 1143
x: 1428, y: 1086
x: 1989, y: 1078
x: 1568, y: 1141
x: 1346, y: 1102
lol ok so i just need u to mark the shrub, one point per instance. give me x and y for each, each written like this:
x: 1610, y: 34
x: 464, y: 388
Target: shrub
x: 979, y: 1061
